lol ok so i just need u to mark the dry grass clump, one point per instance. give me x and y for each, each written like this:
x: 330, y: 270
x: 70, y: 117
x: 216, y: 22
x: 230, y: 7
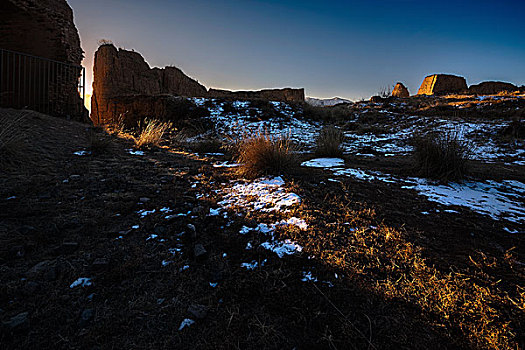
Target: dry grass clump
x: 329, y: 142
x: 262, y: 154
x: 441, y: 156
x: 12, y: 147
x: 465, y: 305
x: 151, y: 132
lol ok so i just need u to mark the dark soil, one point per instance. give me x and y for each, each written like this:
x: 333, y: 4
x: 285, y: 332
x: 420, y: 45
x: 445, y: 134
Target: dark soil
x: 404, y: 279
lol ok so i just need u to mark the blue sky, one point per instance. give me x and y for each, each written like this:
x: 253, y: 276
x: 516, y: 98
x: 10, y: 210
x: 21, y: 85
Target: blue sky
x: 349, y: 49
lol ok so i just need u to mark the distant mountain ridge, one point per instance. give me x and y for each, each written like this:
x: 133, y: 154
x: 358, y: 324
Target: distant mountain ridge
x: 319, y: 102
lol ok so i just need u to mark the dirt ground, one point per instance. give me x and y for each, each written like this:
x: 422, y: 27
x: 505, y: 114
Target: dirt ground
x: 388, y: 276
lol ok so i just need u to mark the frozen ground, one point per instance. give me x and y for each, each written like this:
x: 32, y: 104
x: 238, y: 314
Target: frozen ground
x: 499, y: 200
x: 481, y: 135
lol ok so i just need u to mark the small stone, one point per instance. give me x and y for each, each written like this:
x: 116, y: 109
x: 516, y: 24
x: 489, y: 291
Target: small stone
x: 18, y: 251
x: 100, y: 264
x: 74, y: 177
x: 68, y: 247
x: 198, y: 311
x: 199, y: 251
x: 193, y: 231
x: 86, y: 317
x: 18, y: 322
x: 161, y: 230
x: 27, y: 230
x: 32, y: 287
x: 43, y: 270
x: 144, y: 199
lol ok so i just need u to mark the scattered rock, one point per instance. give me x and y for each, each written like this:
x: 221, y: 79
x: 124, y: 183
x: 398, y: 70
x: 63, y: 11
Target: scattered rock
x: 144, y: 199
x: 18, y: 251
x: 193, y: 231
x: 160, y: 230
x: 86, y: 317
x: 19, y: 322
x: 198, y: 311
x: 68, y: 247
x: 100, y: 264
x: 27, y: 230
x: 199, y: 251
x: 32, y: 287
x: 45, y: 270
x: 74, y: 177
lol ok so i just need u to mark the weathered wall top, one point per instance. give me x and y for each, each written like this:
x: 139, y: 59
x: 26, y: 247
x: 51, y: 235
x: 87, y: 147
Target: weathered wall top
x: 437, y: 84
x: 286, y: 94
x: 40, y: 27
x: 491, y: 87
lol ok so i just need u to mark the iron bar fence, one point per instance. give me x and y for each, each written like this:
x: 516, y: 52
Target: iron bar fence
x: 41, y: 84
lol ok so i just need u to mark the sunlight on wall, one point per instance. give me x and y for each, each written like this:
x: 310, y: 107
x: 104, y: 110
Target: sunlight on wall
x: 87, y: 102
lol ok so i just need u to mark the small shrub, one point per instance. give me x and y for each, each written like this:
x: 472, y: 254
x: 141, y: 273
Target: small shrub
x: 263, y: 154
x: 515, y: 130
x: 441, y: 156
x: 151, y: 132
x: 329, y: 141
x: 385, y: 91
x: 207, y: 145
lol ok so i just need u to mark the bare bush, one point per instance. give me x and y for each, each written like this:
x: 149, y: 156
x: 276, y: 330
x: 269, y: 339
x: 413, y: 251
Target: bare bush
x: 151, y: 132
x: 329, y: 142
x: 263, y: 154
x: 441, y: 155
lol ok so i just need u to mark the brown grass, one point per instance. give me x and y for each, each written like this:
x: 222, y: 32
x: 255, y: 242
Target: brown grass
x: 329, y: 141
x: 151, y: 132
x: 441, y: 156
x: 261, y: 154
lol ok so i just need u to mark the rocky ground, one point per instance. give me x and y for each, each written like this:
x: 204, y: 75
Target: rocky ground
x: 168, y: 248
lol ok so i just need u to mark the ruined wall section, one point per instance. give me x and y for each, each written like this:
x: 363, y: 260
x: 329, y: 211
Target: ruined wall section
x: 119, y: 74
x: 284, y: 95
x: 438, y: 84
x: 43, y: 28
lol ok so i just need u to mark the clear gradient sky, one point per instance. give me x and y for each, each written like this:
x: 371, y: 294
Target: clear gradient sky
x: 341, y: 48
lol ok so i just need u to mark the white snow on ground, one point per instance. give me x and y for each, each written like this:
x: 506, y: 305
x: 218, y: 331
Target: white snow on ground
x: 287, y: 247
x: 499, y: 200
x: 307, y: 276
x: 253, y: 265
x: 82, y: 282
x: 324, y: 163
x: 481, y: 134
x: 225, y: 165
x: 82, y: 153
x: 135, y: 152
x: 293, y: 221
x: 186, y: 323
x: 265, y: 194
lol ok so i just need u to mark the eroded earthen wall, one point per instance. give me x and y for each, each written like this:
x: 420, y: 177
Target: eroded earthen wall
x: 42, y: 28
x: 120, y: 74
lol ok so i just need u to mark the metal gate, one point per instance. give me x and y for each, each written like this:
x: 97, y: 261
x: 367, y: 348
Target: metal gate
x: 41, y: 84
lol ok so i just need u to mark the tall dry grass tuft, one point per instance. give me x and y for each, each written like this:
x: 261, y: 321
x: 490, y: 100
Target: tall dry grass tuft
x: 151, y: 132
x: 441, y: 155
x: 329, y: 142
x: 12, y: 146
x: 264, y: 154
